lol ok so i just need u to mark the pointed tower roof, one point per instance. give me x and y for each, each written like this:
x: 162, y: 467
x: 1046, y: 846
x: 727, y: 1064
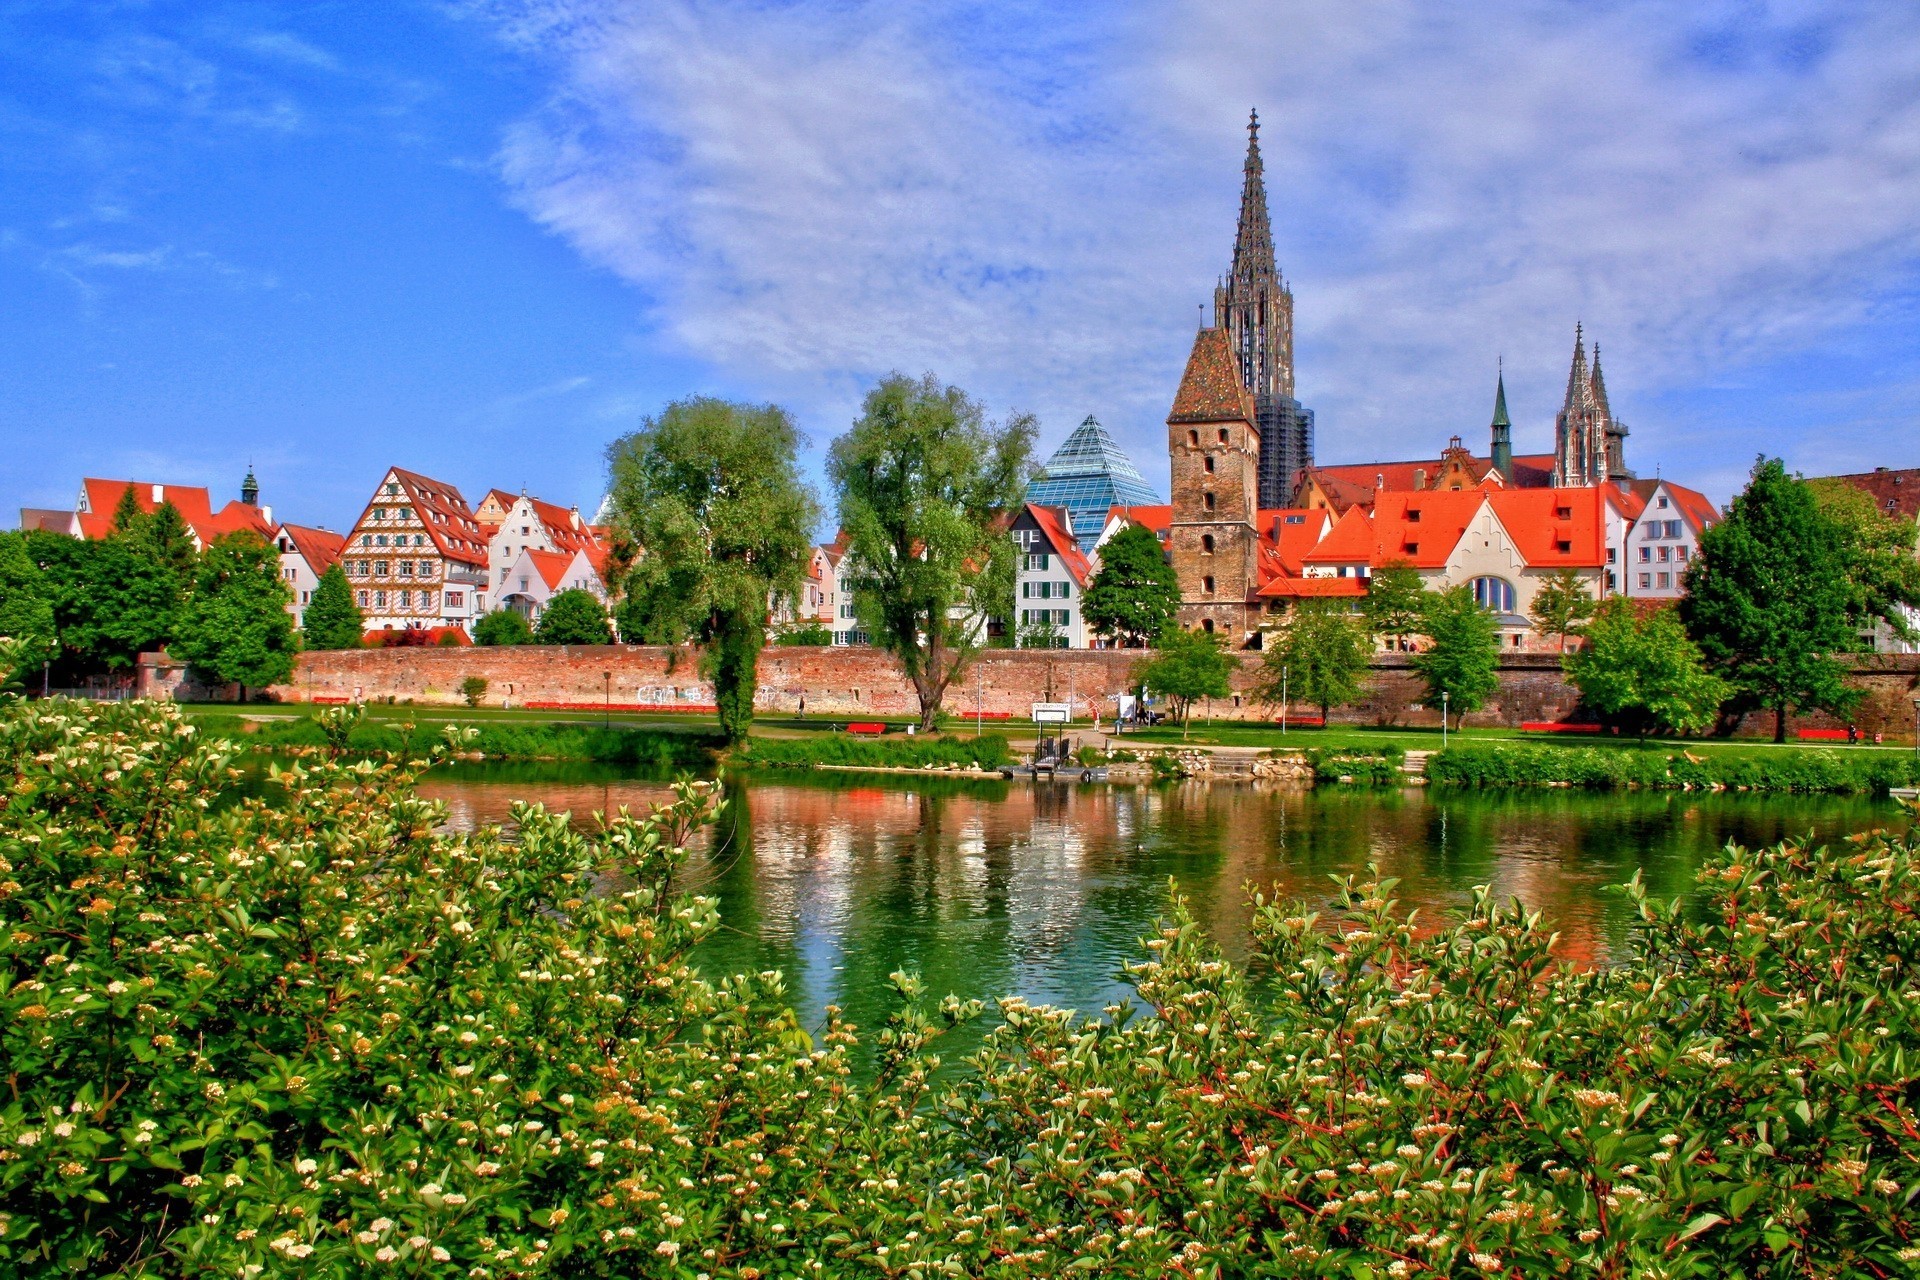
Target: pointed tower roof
x: 1579, y: 381
x: 1253, y: 243
x: 1598, y: 385
x: 1210, y: 389
x: 1089, y: 476
x: 1500, y: 418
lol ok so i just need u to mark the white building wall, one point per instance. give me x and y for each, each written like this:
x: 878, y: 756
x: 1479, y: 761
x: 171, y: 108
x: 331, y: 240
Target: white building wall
x: 1659, y: 549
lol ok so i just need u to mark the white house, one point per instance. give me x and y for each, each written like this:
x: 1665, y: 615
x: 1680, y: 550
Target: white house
x: 1051, y: 576
x: 536, y: 576
x: 529, y: 524
x: 305, y: 554
x: 1664, y: 540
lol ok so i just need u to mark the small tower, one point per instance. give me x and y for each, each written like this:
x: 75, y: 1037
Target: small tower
x: 1215, y: 453
x: 1502, y: 430
x: 250, y: 488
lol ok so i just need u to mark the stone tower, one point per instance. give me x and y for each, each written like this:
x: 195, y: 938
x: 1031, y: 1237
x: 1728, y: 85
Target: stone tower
x: 1589, y: 447
x: 1215, y: 454
x: 1255, y: 307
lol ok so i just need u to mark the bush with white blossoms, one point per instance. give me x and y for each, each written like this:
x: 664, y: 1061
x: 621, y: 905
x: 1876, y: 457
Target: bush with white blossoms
x: 295, y: 1029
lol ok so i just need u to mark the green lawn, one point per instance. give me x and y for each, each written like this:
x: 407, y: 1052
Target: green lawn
x: 1361, y: 737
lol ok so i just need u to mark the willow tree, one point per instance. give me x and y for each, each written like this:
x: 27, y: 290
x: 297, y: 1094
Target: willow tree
x: 710, y: 493
x: 925, y: 485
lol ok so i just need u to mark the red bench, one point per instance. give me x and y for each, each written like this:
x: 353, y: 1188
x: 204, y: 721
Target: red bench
x: 1821, y: 735
x: 328, y: 699
x: 1302, y: 722
x: 706, y: 708
x: 1557, y: 726
x: 867, y: 728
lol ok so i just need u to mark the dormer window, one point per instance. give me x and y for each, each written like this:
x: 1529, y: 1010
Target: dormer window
x: 1413, y: 516
x: 1563, y: 513
x: 1563, y: 546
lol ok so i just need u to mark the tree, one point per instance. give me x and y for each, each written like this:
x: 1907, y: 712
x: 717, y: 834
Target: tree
x: 164, y: 535
x: 26, y: 611
x: 1396, y: 601
x: 235, y: 627
x: 711, y: 490
x: 1642, y: 672
x: 332, y: 619
x: 1462, y: 660
x: 128, y: 519
x: 502, y: 627
x: 111, y: 600
x: 1561, y: 605
x: 473, y: 689
x: 1883, y: 570
x: 924, y: 484
x: 1134, y: 596
x: 1187, y: 666
x: 1320, y: 659
x: 574, y: 616
x: 1043, y: 634
x: 1772, y: 599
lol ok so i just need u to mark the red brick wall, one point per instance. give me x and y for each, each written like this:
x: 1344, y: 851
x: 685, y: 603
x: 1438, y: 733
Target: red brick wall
x: 851, y: 682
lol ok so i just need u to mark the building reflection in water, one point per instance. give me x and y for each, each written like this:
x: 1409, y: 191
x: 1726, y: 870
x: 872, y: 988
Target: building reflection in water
x: 1043, y: 891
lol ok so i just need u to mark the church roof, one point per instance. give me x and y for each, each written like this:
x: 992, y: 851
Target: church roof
x: 1210, y: 389
x: 1089, y: 476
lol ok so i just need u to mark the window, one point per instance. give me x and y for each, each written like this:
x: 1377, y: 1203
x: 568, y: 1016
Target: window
x: 1209, y: 464
x: 1680, y: 553
x: 1673, y: 528
x: 363, y: 599
x: 379, y: 539
x: 1223, y: 435
x: 1413, y: 516
x: 846, y: 611
x: 1206, y: 501
x: 1666, y: 581
x: 406, y: 600
x: 1037, y: 561
x: 1646, y: 555
x: 366, y: 539
x: 1661, y: 502
x: 406, y: 568
x: 1563, y: 513
x: 1666, y: 554
x: 392, y: 488
x: 426, y: 602
x: 379, y: 513
x: 306, y: 597
x: 1563, y: 546
x: 1206, y: 624
x: 1493, y: 593
x: 1206, y: 544
x: 1296, y: 519
x: 1193, y: 439
x: 379, y: 599
x: 1206, y: 584
x: 1612, y: 555
x: 1646, y: 581
x: 455, y: 599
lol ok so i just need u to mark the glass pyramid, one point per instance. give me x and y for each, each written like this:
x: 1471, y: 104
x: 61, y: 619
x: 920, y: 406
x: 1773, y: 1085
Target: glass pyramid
x: 1087, y: 475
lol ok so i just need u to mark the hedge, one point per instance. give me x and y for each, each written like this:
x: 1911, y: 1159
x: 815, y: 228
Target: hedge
x: 1603, y: 768
x: 644, y: 748
x: 906, y: 751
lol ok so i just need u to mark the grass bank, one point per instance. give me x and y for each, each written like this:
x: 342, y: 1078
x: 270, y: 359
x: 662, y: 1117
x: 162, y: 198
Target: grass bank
x: 646, y: 748
x: 1665, y: 768
x: 918, y: 751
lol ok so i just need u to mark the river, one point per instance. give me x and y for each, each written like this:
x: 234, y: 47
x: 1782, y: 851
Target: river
x: 1043, y: 890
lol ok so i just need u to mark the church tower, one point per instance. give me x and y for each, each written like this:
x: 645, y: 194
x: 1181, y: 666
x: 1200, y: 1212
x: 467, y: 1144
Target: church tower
x: 1255, y: 309
x: 1214, y: 447
x: 1502, y: 431
x: 1589, y: 446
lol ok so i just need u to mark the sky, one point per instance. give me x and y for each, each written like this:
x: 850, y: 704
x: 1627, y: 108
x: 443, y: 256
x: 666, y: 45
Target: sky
x: 480, y: 239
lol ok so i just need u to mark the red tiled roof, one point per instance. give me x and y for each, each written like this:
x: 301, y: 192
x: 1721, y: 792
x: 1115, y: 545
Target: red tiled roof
x: 1157, y: 518
x: 448, y: 519
x: 1547, y: 539
x: 1053, y: 527
x: 551, y: 564
x: 1210, y: 389
x: 1631, y: 496
x: 1894, y: 492
x: 1289, y: 588
x: 1350, y: 541
x: 1700, y: 511
x: 1422, y: 528
x: 318, y: 547
x: 1351, y: 483
x: 193, y: 503
x: 1291, y: 541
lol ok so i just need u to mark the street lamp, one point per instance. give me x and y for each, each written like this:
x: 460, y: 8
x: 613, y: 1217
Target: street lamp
x: 1445, y: 698
x: 1283, y: 698
x: 1916, y: 726
x: 606, y: 706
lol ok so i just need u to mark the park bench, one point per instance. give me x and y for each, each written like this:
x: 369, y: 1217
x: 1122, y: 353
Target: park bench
x: 1303, y: 722
x: 1556, y: 726
x: 867, y: 728
x: 1821, y: 735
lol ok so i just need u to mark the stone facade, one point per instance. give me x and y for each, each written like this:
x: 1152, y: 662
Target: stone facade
x: 1214, y: 453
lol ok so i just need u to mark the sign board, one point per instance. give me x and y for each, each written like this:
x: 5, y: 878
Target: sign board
x: 1051, y: 713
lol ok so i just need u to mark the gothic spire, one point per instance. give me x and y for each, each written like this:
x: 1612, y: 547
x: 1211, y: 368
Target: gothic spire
x: 1579, y: 381
x: 1253, y: 245
x: 1502, y: 429
x: 1599, y: 385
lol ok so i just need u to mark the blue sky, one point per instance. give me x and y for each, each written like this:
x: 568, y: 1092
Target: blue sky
x: 481, y: 239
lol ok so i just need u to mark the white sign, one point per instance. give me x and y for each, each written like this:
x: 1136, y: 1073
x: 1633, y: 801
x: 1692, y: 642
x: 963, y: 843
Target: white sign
x: 1051, y: 713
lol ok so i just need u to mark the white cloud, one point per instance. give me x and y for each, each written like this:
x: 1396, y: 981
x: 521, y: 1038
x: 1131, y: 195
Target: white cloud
x: 1031, y: 204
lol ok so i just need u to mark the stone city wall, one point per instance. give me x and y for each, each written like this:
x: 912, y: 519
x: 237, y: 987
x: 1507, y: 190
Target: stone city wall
x: 849, y: 683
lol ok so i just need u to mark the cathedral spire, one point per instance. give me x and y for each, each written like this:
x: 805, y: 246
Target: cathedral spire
x: 1579, y: 381
x: 1253, y: 245
x: 1502, y: 428
x: 1599, y: 385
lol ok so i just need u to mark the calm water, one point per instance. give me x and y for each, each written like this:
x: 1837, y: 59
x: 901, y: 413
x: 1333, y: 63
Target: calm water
x: 992, y: 888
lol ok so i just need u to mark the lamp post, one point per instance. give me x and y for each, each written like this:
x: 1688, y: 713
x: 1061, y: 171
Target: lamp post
x: 1284, y: 671
x: 1445, y: 698
x: 1916, y: 726
x: 606, y: 705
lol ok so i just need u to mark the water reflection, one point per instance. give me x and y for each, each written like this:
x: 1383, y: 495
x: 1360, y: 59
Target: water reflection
x: 989, y: 888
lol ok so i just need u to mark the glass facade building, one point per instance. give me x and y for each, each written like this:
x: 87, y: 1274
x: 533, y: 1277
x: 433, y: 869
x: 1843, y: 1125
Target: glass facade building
x: 1088, y: 475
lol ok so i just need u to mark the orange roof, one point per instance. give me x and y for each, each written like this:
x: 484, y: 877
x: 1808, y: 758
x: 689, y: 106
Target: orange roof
x: 1628, y: 497
x: 318, y: 547
x: 1313, y: 588
x: 1350, y: 541
x: 1694, y: 505
x: 1357, y: 482
x: 1291, y: 532
x: 1422, y: 528
x: 1157, y: 518
x: 449, y: 521
x: 1210, y: 389
x: 565, y: 526
x: 1053, y: 526
x: 191, y: 501
x: 1554, y: 528
x: 551, y: 564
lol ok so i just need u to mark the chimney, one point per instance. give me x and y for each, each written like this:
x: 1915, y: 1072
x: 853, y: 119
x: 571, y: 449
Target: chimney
x: 1419, y: 477
x: 266, y: 513
x: 159, y: 494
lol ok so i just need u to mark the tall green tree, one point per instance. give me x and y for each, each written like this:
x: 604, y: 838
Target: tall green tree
x: 1561, y: 605
x: 1772, y: 599
x: 1643, y: 673
x: 332, y: 620
x: 1396, y: 601
x: 164, y: 535
x: 711, y: 490
x: 1134, y: 595
x: 26, y: 611
x: 923, y: 483
x: 112, y: 601
x: 1462, y: 657
x: 1185, y: 667
x: 128, y: 519
x: 503, y: 627
x: 1319, y: 659
x: 574, y: 616
x: 1883, y: 569
x: 235, y: 627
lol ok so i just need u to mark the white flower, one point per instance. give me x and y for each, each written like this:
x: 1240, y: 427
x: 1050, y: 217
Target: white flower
x: 1486, y: 1261
x: 439, y: 1254
x: 304, y: 1166
x: 387, y: 1253
x: 464, y: 1069
x: 30, y: 1138
x: 667, y: 1248
x: 416, y: 1242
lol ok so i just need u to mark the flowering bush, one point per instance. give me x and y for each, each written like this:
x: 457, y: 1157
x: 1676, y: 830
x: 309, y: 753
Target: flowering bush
x: 308, y: 1033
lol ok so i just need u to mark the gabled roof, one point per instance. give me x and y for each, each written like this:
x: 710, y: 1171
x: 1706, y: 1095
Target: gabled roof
x: 1699, y: 509
x: 1053, y: 527
x: 567, y: 528
x: 1895, y: 491
x: 318, y: 547
x: 1350, y: 541
x: 1357, y: 482
x: 1291, y: 532
x: 100, y: 498
x: 1544, y: 536
x: 448, y: 519
x: 1630, y: 496
x: 1210, y: 389
x: 1158, y: 518
x: 1422, y: 528
x: 552, y: 565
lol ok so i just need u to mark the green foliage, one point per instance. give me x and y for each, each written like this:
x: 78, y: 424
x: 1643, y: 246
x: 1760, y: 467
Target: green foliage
x: 653, y: 749
x: 311, y: 1033
x: 920, y: 751
x: 26, y: 611
x: 574, y: 616
x: 1771, y: 599
x: 1040, y: 635
x: 164, y: 535
x: 503, y: 627
x: 111, y: 601
x: 1396, y: 602
x: 235, y: 628
x: 473, y: 689
x: 128, y: 518
x: 1320, y: 659
x: 1604, y: 769
x: 712, y: 491
x: 923, y: 483
x: 1462, y: 660
x: 1561, y: 605
x: 332, y: 620
x: 1134, y: 596
x: 811, y: 633
x: 1188, y: 666
x: 1883, y: 573
x: 1642, y: 673
x: 1365, y: 768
